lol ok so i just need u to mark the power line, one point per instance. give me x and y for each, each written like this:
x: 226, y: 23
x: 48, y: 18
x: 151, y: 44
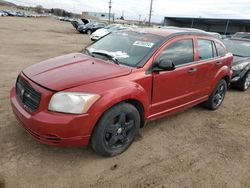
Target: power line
x: 150, y: 12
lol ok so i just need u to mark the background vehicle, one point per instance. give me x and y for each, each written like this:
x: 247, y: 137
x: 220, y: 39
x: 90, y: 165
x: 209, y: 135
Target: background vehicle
x: 10, y: 12
x: 120, y: 82
x: 2, y: 13
x: 217, y: 35
x: 78, y: 22
x: 244, y: 35
x: 240, y: 48
x: 106, y: 30
x: 90, y: 27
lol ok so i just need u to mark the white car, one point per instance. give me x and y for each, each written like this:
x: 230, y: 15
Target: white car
x: 3, y: 13
x: 108, y: 29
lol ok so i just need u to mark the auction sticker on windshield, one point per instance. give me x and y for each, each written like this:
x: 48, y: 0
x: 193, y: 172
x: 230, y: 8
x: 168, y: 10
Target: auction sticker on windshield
x: 143, y: 44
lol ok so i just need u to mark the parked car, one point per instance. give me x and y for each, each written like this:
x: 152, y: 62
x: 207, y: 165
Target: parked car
x: 217, y: 35
x: 106, y: 30
x: 10, y: 12
x: 105, y: 94
x: 241, y: 66
x: 245, y: 35
x: 90, y: 27
x: 2, y: 13
x: 78, y: 22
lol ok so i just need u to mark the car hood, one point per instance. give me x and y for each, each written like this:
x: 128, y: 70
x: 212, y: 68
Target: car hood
x: 100, y: 32
x: 73, y: 70
x: 238, y: 60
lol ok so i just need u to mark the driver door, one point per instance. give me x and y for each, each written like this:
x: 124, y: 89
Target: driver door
x: 174, y: 89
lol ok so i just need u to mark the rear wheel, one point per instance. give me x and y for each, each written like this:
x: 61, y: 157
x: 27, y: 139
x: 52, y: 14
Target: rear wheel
x: 217, y: 97
x: 116, y: 130
x: 245, y: 82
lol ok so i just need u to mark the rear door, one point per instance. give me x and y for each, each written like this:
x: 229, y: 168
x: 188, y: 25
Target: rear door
x: 208, y: 65
x: 173, y: 89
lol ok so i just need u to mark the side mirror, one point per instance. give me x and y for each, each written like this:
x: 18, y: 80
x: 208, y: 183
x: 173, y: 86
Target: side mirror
x: 165, y: 65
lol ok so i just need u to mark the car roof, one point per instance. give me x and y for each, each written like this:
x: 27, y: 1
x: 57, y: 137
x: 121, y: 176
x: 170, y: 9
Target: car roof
x: 165, y: 32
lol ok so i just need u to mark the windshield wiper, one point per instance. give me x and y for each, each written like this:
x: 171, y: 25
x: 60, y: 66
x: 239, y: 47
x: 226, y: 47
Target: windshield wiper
x: 116, y: 61
x: 88, y: 52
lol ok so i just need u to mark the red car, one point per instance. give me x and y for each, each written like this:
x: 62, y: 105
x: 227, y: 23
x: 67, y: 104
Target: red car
x: 105, y: 94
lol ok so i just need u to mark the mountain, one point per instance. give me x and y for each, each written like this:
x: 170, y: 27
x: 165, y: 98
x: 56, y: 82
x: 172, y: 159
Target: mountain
x: 6, y: 3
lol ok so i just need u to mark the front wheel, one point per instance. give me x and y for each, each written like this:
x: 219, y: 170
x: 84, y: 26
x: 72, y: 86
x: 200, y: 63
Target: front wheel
x: 116, y: 130
x: 245, y: 83
x: 217, y: 97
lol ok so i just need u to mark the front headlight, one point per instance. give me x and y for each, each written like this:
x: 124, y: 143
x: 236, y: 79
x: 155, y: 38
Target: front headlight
x: 72, y: 102
x: 240, y: 66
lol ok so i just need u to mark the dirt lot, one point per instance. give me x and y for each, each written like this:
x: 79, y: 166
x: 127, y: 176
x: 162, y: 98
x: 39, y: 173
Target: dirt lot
x: 196, y: 148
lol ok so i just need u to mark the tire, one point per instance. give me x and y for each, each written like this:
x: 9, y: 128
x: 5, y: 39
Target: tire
x: 116, y: 130
x: 89, y: 32
x: 244, y: 84
x: 217, y: 97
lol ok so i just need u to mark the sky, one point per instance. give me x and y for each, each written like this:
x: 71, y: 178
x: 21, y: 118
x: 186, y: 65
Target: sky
x: 133, y: 8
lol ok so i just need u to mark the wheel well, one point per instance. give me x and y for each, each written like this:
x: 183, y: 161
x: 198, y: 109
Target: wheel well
x: 227, y: 79
x: 138, y: 105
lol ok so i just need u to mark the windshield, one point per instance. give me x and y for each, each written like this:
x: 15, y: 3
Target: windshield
x: 129, y: 47
x: 238, y: 48
x: 111, y: 26
x: 89, y: 24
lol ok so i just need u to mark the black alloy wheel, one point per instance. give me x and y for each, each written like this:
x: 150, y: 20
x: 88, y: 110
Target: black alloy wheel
x: 116, y: 130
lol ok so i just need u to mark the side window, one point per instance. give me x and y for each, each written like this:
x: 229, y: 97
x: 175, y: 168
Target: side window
x: 180, y: 52
x: 206, y: 49
x: 220, y: 49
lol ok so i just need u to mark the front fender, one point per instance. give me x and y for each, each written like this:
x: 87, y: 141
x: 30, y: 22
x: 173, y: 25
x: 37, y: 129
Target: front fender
x: 113, y: 92
x: 126, y: 91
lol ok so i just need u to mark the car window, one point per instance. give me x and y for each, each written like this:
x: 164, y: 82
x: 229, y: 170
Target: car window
x: 180, y: 52
x: 220, y: 49
x: 129, y: 47
x: 206, y: 49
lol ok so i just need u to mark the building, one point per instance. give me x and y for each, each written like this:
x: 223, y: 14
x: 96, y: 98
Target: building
x: 97, y: 15
x: 222, y: 26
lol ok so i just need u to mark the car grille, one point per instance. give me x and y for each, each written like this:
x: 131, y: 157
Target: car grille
x: 27, y: 95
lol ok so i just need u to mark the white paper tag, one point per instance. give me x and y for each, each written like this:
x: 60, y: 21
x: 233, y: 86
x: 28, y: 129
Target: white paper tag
x: 143, y: 44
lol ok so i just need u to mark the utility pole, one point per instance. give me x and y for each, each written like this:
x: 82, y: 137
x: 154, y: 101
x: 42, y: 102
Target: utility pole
x: 150, y: 12
x: 110, y: 3
x: 139, y: 19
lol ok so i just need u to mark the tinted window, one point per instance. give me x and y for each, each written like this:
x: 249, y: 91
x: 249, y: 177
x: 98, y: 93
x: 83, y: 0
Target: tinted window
x: 206, y: 49
x: 220, y: 49
x: 180, y: 52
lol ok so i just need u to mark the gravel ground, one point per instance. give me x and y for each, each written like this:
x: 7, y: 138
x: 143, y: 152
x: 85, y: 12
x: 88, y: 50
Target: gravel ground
x: 195, y: 148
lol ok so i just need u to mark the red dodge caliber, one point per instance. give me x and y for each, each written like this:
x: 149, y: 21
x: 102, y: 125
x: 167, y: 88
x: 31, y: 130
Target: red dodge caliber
x: 105, y: 94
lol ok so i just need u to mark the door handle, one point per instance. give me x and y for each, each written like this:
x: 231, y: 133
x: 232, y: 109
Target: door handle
x: 192, y: 70
x: 218, y: 63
